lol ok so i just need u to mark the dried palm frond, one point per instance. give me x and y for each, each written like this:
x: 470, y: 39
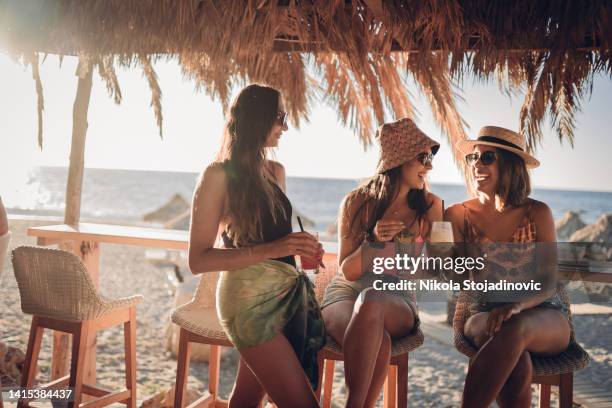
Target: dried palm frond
x: 107, y: 73
x: 156, y: 94
x: 32, y: 60
x: 353, y: 54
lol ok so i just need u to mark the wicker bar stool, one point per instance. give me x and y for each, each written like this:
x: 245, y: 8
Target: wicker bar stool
x: 555, y: 370
x: 395, y: 392
x: 199, y: 324
x: 56, y: 289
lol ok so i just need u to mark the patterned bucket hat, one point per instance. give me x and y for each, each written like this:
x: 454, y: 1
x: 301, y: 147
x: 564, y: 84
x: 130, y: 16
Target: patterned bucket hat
x: 400, y: 142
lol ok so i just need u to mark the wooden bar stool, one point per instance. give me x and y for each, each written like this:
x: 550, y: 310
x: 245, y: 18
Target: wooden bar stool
x: 56, y: 289
x: 396, y: 385
x: 199, y: 324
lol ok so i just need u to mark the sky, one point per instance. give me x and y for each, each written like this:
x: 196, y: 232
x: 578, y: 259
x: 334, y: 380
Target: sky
x: 126, y: 136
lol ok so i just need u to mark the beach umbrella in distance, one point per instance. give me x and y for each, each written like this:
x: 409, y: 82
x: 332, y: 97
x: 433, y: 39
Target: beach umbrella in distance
x: 360, y: 56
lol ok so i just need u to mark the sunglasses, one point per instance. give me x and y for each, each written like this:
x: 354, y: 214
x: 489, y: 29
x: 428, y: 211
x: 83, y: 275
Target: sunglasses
x: 281, y: 118
x: 485, y: 158
x: 425, y: 158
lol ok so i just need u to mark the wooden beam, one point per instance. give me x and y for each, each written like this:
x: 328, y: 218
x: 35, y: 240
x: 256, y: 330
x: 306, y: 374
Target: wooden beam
x: 284, y: 43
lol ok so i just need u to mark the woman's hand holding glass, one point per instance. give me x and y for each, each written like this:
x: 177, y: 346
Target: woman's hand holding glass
x: 297, y: 243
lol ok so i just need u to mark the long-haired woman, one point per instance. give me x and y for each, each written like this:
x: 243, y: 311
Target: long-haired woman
x: 507, y: 333
x: 362, y: 320
x: 264, y: 305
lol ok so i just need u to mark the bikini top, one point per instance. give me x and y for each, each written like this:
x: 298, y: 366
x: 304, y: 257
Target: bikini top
x: 272, y: 230
x: 525, y: 232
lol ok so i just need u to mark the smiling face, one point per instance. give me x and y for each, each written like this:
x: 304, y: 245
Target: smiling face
x: 485, y: 177
x: 414, y: 173
x: 277, y: 127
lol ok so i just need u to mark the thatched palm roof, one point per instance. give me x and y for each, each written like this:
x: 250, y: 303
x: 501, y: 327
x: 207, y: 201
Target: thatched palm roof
x: 361, y: 52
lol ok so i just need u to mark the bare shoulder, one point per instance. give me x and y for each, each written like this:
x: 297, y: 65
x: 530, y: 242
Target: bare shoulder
x: 214, y: 173
x: 542, y: 216
x: 352, y: 201
x: 351, y: 204
x: 540, y: 212
x: 434, y: 213
x: 538, y: 208
x: 454, y: 212
x: 277, y: 169
x: 213, y: 178
x: 433, y: 199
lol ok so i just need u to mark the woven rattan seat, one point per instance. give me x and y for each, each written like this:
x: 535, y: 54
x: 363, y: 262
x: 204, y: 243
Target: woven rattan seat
x: 560, y: 367
x: 199, y: 315
x: 572, y: 359
x: 399, y: 347
x: 199, y: 324
x: 55, y: 283
x: 57, y: 290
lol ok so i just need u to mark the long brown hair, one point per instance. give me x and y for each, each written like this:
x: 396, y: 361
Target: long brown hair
x: 514, y: 185
x: 376, y: 195
x: 243, y: 154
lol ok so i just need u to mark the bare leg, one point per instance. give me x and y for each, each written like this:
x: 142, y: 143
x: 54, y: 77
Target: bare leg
x: 247, y: 391
x: 375, y: 313
x: 337, y: 317
x: 516, y: 392
x: 537, y: 330
x: 278, y: 370
x: 380, y: 371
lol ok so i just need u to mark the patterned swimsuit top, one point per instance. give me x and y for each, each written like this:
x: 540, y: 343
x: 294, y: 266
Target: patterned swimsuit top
x: 524, y: 233
x: 508, y: 260
x: 504, y: 261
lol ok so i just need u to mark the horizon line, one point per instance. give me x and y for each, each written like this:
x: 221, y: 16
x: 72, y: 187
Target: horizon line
x: 357, y: 179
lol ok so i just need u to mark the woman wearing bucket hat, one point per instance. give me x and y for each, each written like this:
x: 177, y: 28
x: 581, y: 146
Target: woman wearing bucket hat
x: 362, y: 320
x: 502, y: 212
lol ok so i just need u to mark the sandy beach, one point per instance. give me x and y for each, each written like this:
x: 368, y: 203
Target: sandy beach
x: 436, y: 371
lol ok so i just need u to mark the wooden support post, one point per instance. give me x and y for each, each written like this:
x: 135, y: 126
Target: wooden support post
x: 74, y: 185
x: 59, y: 365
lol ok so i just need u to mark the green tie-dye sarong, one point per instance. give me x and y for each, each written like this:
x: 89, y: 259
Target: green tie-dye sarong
x: 258, y: 302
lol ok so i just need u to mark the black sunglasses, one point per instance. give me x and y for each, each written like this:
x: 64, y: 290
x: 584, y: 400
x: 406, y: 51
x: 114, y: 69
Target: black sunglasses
x: 425, y: 158
x: 281, y: 118
x: 485, y: 158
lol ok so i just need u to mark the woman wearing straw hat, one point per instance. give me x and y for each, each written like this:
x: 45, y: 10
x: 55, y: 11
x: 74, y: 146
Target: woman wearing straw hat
x: 362, y: 320
x: 502, y: 212
x: 266, y: 307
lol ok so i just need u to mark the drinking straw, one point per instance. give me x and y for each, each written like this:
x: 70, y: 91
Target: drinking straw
x: 300, y: 222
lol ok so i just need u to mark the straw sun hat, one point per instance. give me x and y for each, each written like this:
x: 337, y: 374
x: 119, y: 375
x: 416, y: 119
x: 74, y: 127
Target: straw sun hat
x: 501, y: 138
x: 400, y: 142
